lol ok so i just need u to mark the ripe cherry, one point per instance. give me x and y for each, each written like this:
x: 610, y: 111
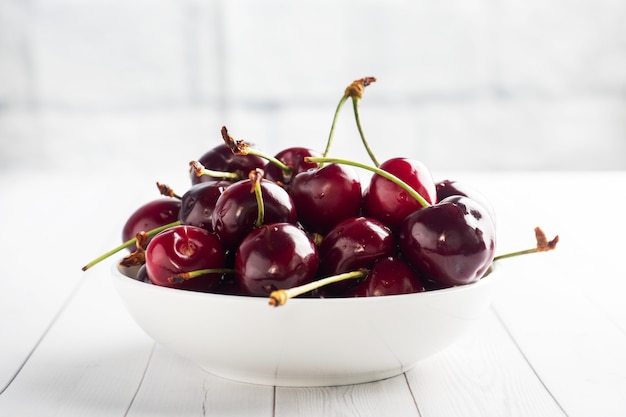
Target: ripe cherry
x: 388, y: 202
x: 198, y: 203
x: 275, y: 256
x: 451, y: 242
x: 355, y: 243
x: 292, y: 158
x: 388, y: 276
x: 325, y: 196
x: 183, y: 249
x: 149, y: 216
x: 236, y: 210
x: 448, y: 188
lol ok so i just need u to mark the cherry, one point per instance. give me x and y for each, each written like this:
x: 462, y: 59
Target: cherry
x: 237, y: 210
x: 150, y: 215
x: 451, y: 242
x: 388, y: 276
x: 198, y: 203
x: 275, y: 256
x: 388, y: 202
x: 182, y: 249
x: 447, y: 188
x: 221, y: 158
x: 294, y: 159
x: 355, y: 243
x: 325, y: 196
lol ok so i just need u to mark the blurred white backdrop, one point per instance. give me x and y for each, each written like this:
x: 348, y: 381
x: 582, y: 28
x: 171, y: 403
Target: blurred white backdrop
x: 462, y: 84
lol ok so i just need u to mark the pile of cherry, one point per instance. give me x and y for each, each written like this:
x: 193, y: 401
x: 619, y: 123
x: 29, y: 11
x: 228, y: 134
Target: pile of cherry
x: 300, y: 221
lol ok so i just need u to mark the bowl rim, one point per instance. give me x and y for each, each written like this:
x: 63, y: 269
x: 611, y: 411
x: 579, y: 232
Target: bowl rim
x: 486, y: 279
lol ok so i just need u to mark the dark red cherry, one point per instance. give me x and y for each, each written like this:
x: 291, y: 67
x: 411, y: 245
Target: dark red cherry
x: 389, y: 276
x: 236, y: 210
x: 448, y: 188
x: 221, y: 158
x: 353, y: 244
x: 388, y: 202
x: 450, y: 243
x: 198, y: 203
x: 326, y: 196
x: 294, y: 159
x: 275, y: 256
x: 149, y: 216
x: 185, y: 249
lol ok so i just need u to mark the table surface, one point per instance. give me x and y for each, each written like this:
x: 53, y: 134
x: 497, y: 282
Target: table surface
x: 553, y: 342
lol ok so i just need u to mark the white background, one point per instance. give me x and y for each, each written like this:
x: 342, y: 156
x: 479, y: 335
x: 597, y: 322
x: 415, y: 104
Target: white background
x: 462, y: 84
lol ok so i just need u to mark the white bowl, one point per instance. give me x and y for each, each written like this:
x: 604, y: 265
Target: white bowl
x: 306, y: 342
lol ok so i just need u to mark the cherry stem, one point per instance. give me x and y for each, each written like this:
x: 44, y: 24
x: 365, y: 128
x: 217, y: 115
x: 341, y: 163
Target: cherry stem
x: 375, y: 170
x: 184, y: 276
x: 256, y: 176
x: 517, y: 253
x: 357, y: 118
x: 543, y: 245
x: 331, y: 134
x: 128, y: 243
x: 240, y: 147
x: 355, y: 91
x: 200, y: 170
x: 280, y: 297
x: 167, y: 191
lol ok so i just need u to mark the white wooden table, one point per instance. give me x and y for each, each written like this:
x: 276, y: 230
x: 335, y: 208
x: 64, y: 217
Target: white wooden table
x: 553, y: 343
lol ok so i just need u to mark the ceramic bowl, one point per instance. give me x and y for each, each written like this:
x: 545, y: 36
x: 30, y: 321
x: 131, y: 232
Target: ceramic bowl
x: 307, y: 341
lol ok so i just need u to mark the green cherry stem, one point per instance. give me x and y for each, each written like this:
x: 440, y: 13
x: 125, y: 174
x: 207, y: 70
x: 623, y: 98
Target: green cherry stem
x: 357, y: 118
x: 331, y: 134
x: 543, y: 245
x: 240, y: 147
x: 199, y: 170
x: 184, y: 276
x: 355, y: 91
x: 280, y: 297
x: 375, y: 170
x: 127, y: 244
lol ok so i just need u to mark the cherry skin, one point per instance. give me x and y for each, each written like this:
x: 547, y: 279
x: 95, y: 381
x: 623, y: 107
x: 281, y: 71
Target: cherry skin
x: 294, y: 158
x: 355, y: 243
x: 198, y: 203
x: 221, y: 158
x: 149, y: 216
x: 451, y: 242
x: 448, y: 188
x: 275, y: 256
x: 325, y: 196
x: 185, y: 249
x: 236, y: 210
x: 388, y: 202
x: 389, y: 276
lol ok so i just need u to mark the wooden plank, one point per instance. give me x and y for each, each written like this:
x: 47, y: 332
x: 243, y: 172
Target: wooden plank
x: 390, y: 397
x: 174, y: 386
x: 35, y: 281
x: 50, y: 236
x: 89, y: 363
x: 576, y: 349
x: 483, y: 375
